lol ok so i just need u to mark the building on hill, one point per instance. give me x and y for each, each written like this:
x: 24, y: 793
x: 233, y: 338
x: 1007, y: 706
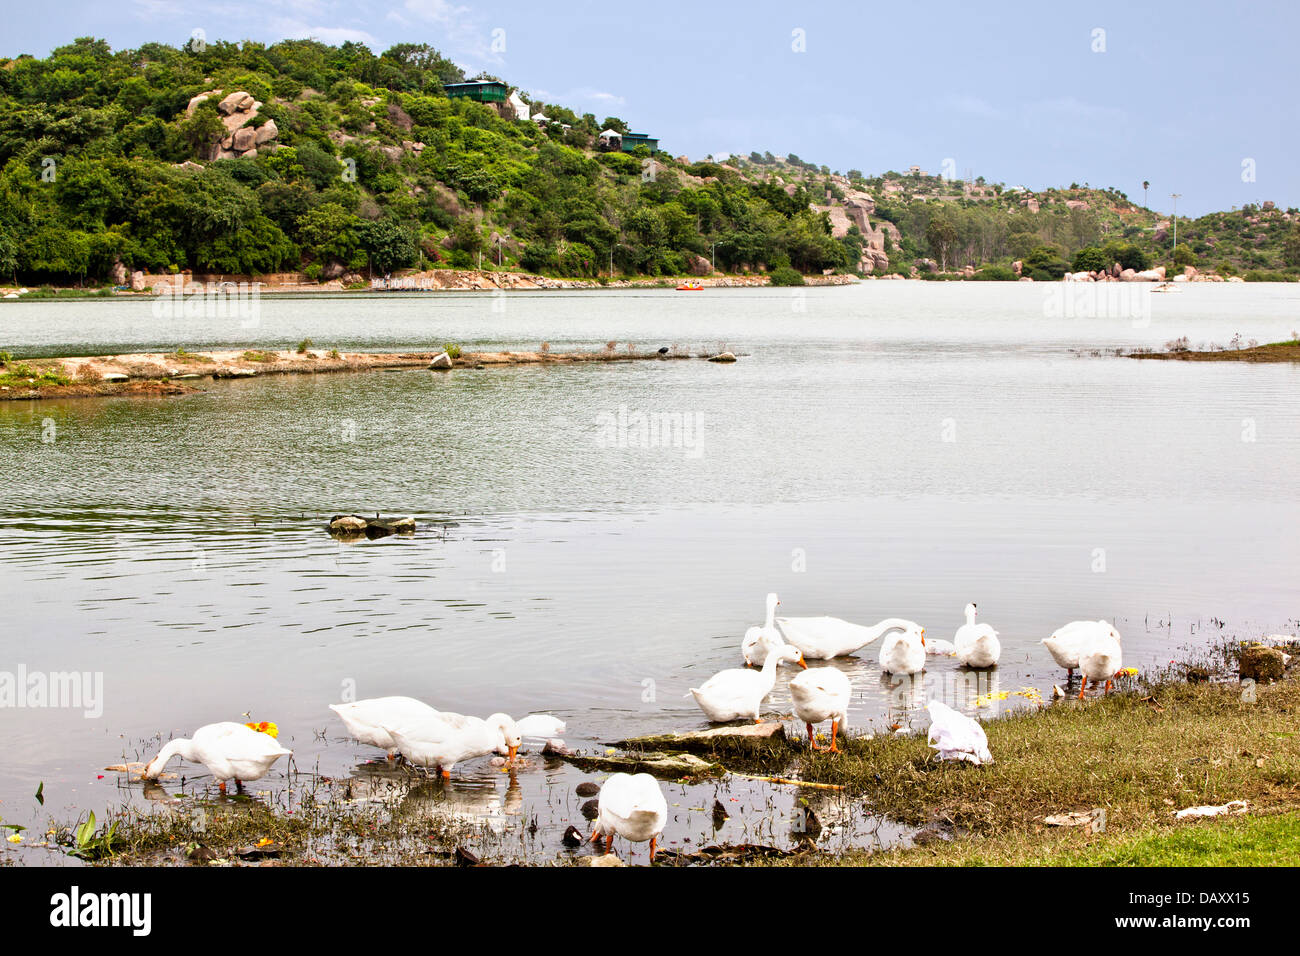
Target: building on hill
x: 630, y: 141
x: 516, y: 103
x: 481, y: 91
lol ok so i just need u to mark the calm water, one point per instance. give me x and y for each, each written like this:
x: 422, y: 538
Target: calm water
x: 891, y: 449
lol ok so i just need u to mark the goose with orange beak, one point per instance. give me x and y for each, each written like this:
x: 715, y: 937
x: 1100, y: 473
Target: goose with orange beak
x: 822, y: 693
x: 903, y: 651
x: 229, y: 750
x: 444, y: 739
x: 737, y: 694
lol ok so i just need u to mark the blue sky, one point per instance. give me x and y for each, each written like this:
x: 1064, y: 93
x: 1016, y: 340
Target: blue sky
x: 1182, y: 94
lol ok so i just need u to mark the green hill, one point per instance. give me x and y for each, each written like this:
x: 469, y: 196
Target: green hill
x: 299, y: 156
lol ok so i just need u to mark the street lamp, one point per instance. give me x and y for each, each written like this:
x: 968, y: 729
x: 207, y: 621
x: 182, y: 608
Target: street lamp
x: 1175, y: 197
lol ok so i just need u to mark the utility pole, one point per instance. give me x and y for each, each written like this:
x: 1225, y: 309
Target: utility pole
x: 1175, y: 197
x: 713, y: 256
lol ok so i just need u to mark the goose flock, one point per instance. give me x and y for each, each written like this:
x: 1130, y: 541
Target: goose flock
x: 633, y: 805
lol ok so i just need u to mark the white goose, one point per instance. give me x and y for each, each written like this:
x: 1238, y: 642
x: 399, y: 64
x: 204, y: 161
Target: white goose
x: 445, y: 739
x: 956, y: 736
x: 759, y: 640
x: 822, y: 693
x: 229, y: 750
x: 821, y: 638
x: 1100, y: 659
x: 631, y: 806
x: 977, y: 645
x: 366, y: 719
x: 1068, y: 639
x: 738, y: 693
x: 904, y: 652
x: 540, y: 726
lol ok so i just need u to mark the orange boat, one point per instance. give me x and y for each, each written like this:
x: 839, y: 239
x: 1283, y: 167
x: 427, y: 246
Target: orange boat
x: 690, y: 286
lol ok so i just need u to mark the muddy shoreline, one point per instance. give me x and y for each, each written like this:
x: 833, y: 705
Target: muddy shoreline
x: 1130, y: 755
x: 155, y: 374
x: 1273, y: 352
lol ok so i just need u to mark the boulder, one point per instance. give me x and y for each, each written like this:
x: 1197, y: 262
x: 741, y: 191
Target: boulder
x: 441, y: 361
x: 1017, y: 266
x: 1262, y: 663
x: 244, y: 139
x: 266, y: 132
x: 332, y: 270
x: 137, y: 281
x: 1128, y: 275
x: 117, y: 273
x: 237, y: 102
x: 196, y: 100
x: 723, y: 357
x: 376, y: 527
x: 699, y: 266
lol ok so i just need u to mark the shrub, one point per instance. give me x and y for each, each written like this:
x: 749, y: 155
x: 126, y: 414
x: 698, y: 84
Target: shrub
x: 452, y: 350
x: 995, y: 274
x: 303, y: 346
x: 786, y: 275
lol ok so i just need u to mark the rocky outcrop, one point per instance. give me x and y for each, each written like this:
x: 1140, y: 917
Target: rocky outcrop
x: 699, y: 266
x: 196, y: 100
x: 238, y: 110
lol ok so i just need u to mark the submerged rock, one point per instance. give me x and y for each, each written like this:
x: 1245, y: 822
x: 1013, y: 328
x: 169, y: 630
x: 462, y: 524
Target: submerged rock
x: 587, y: 789
x: 705, y: 740
x: 441, y: 361
x: 671, y: 766
x: 376, y: 527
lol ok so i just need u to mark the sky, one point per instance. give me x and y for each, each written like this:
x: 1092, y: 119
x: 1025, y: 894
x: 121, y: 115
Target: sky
x: 1199, y: 98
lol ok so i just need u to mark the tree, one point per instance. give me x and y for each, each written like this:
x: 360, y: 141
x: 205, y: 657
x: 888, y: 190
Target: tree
x: 1145, y: 186
x: 389, y: 245
x: 1183, y: 255
x: 1291, y: 247
x: 941, y: 235
x: 1090, y: 259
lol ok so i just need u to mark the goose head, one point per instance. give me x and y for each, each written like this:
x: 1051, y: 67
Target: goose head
x: 793, y: 655
x: 970, y: 613
x: 510, y: 736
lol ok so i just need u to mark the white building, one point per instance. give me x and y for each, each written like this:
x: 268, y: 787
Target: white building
x: 517, y: 104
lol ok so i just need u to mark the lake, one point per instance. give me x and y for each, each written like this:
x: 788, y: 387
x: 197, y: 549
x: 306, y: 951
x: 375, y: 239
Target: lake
x: 885, y: 449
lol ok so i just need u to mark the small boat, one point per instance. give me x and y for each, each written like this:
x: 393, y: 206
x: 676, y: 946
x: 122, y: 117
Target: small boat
x: 690, y: 285
x: 1166, y: 287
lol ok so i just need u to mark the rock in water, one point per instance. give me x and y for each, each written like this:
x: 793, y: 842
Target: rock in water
x: 348, y: 524
x: 587, y: 789
x: 1262, y: 663
x: 723, y: 357
x: 441, y: 361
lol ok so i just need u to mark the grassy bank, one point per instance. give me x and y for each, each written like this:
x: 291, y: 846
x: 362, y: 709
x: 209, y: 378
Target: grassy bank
x: 1272, y: 352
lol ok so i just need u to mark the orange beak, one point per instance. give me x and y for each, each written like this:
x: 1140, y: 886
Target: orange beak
x: 801, y: 662
x: 511, y: 759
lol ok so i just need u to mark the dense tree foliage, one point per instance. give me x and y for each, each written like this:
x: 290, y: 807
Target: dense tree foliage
x: 100, y: 163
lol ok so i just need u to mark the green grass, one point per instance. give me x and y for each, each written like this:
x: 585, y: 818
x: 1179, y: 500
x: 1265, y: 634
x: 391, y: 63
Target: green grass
x: 259, y: 355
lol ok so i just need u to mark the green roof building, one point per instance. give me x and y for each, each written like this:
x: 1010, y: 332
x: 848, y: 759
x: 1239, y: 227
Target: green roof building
x: 483, y: 91
x: 632, y: 140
